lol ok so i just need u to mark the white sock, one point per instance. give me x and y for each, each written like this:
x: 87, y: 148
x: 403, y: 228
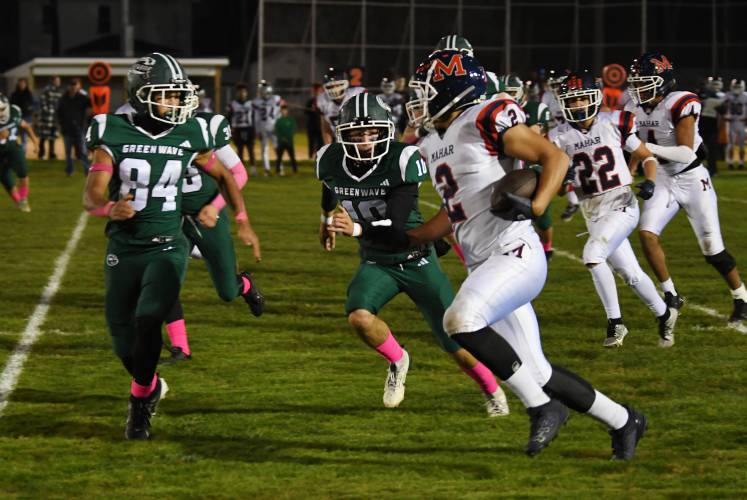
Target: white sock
x: 612, y: 414
x: 740, y: 293
x: 668, y: 286
x: 403, y: 361
x: 604, y: 282
x: 646, y: 290
x: 572, y: 198
x: 526, y: 388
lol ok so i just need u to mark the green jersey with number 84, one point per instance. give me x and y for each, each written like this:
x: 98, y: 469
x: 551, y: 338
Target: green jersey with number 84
x: 150, y: 168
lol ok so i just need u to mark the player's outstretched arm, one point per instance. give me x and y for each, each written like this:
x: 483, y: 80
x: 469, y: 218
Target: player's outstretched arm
x: 520, y: 142
x: 216, y: 169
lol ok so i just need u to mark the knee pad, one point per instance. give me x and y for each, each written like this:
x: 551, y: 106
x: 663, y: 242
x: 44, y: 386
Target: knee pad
x: 570, y: 389
x: 461, y: 317
x: 492, y: 350
x: 595, y: 251
x: 722, y: 261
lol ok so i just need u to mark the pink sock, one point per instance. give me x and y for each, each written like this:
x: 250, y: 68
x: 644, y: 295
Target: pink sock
x: 246, y: 285
x: 483, y: 376
x: 458, y: 251
x: 16, y: 195
x: 547, y: 246
x: 177, y: 331
x: 23, y: 192
x: 391, y: 349
x: 143, y: 391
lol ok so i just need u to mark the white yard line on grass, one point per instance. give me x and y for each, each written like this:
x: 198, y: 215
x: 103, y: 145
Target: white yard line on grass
x: 689, y: 304
x: 732, y: 200
x: 14, y: 366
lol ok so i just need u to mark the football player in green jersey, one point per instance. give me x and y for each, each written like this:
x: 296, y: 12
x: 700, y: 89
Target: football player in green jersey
x: 538, y: 120
x: 139, y: 160
x: 376, y: 181
x: 207, y: 229
x: 12, y: 157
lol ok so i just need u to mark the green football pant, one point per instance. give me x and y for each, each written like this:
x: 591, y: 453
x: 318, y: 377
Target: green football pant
x: 216, y: 247
x: 12, y: 160
x: 422, y: 280
x: 141, y: 282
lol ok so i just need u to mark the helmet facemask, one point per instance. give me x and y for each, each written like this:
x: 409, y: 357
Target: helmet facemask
x: 576, y: 112
x: 644, y: 89
x: 358, y: 144
x: 155, y: 97
x: 335, y: 89
x: 4, y: 110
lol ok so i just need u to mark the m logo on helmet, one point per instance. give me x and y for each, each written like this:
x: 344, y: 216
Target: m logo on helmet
x: 453, y: 68
x: 661, y: 66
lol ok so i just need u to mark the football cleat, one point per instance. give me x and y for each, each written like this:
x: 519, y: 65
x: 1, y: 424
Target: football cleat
x: 159, y: 393
x: 740, y: 311
x: 673, y: 300
x: 177, y: 355
x: 569, y: 212
x: 496, y: 404
x: 666, y: 327
x: 625, y: 439
x: 545, y: 425
x: 616, y: 332
x: 23, y: 205
x: 394, y: 387
x: 138, y: 418
x: 253, y: 297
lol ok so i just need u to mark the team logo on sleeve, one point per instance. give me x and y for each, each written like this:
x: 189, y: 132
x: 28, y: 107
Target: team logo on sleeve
x: 112, y: 260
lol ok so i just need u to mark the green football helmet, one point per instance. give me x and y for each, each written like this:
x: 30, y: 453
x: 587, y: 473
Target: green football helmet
x: 454, y: 42
x: 360, y: 114
x: 4, y: 109
x: 513, y: 86
x: 149, y: 81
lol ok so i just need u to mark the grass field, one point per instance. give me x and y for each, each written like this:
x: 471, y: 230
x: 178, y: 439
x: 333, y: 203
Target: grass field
x: 289, y: 405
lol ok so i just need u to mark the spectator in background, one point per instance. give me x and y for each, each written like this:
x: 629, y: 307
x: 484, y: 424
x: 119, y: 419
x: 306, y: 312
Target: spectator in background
x: 72, y: 114
x: 206, y: 103
x: 24, y: 99
x: 241, y: 115
x: 285, y: 130
x: 313, y: 122
x: 50, y: 98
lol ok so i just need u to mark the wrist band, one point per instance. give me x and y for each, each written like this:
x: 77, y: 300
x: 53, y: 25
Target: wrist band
x: 357, y: 230
x: 209, y: 163
x: 326, y: 220
x: 241, y: 216
x: 218, y: 202
x: 102, y: 211
x: 650, y: 158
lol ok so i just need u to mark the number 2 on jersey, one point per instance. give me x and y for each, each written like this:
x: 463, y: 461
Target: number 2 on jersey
x: 454, y: 210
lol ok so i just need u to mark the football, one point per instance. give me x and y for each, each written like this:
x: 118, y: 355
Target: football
x: 519, y: 182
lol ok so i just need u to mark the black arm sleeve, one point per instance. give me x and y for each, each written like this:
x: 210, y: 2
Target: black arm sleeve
x: 329, y: 201
x: 402, y: 200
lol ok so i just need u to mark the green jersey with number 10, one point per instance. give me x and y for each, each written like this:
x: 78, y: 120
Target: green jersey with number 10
x: 364, y: 194
x: 150, y: 168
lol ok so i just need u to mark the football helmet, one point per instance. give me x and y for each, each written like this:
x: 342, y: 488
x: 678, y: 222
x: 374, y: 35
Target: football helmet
x: 4, y: 109
x: 359, y: 114
x: 335, y: 83
x: 737, y: 87
x: 388, y: 86
x: 446, y: 81
x: 513, y: 86
x: 578, y: 86
x: 149, y: 81
x: 651, y: 75
x: 454, y: 42
x: 715, y: 84
x: 554, y: 79
x: 264, y: 89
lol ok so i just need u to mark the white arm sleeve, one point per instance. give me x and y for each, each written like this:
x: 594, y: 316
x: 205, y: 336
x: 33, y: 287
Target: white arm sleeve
x: 227, y: 156
x: 678, y: 154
